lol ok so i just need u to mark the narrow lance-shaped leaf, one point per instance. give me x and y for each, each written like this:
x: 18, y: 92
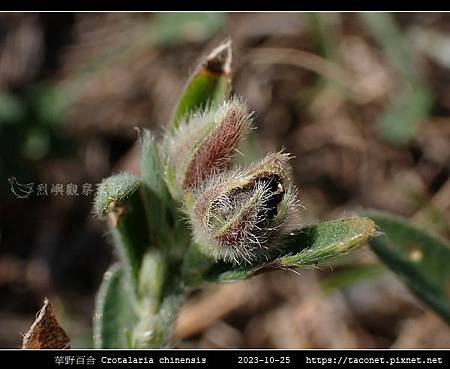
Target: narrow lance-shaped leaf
x: 306, y: 248
x: 118, y: 197
x: 162, y: 212
x: 115, y: 316
x: 151, y: 171
x: 209, y: 86
x: 156, y: 196
x: 329, y: 240
x: 419, y: 258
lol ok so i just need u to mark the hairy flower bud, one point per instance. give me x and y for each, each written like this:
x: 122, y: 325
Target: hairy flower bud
x: 204, y: 145
x: 240, y: 216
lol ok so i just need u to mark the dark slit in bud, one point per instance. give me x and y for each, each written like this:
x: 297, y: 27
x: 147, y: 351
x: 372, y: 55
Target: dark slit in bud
x: 277, y: 192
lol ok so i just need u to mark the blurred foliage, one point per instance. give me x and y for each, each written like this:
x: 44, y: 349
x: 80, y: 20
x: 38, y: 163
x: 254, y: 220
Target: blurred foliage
x: 10, y: 108
x: 29, y: 118
x: 399, y: 122
x: 350, y: 276
x: 420, y: 259
x: 433, y: 43
x: 171, y: 29
x: 28, y: 133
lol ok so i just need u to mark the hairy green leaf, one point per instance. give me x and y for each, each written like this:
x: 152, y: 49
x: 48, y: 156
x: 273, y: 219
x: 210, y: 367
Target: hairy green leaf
x: 419, y: 258
x: 119, y: 198
x: 115, y: 189
x: 327, y: 240
x: 156, y: 196
x: 162, y: 211
x: 115, y: 316
x: 306, y: 248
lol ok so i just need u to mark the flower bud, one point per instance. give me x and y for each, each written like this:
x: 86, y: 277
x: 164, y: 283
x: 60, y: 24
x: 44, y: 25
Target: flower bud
x: 241, y: 216
x: 204, y: 145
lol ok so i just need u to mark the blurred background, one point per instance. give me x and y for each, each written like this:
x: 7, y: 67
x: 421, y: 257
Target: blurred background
x: 361, y: 100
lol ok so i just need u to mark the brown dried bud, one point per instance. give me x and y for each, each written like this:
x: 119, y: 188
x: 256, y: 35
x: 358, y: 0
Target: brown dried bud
x: 242, y: 215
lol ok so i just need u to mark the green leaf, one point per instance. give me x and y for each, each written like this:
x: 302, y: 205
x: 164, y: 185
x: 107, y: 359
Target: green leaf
x: 119, y: 198
x: 165, y: 231
x: 156, y: 195
x: 209, y: 86
x: 197, y: 266
x: 151, y: 170
x: 419, y: 258
x: 306, y: 248
x: 115, y: 317
x: 327, y: 240
x: 112, y: 190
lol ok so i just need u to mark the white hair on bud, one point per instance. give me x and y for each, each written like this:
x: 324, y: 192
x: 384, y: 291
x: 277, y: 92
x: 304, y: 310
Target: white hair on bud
x: 204, y: 144
x: 238, y: 217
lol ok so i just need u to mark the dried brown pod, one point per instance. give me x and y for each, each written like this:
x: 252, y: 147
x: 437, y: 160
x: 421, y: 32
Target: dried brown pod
x: 45, y: 332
